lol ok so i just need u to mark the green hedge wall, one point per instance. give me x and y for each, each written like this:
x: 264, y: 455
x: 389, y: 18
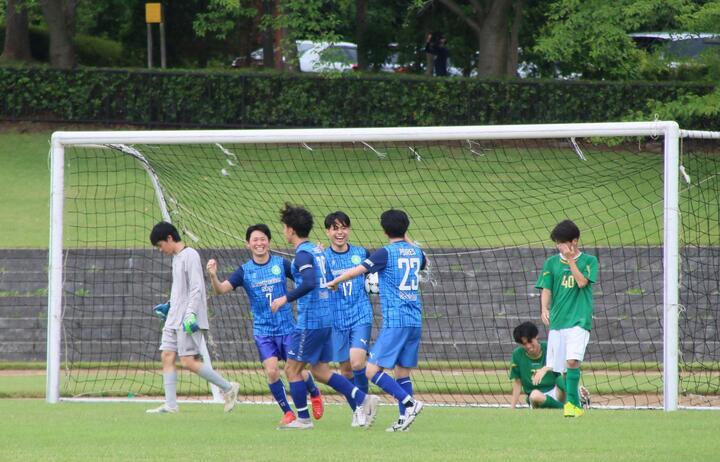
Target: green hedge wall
x: 236, y: 99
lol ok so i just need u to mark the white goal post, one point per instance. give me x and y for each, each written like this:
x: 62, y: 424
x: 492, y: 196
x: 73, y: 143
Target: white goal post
x: 669, y: 131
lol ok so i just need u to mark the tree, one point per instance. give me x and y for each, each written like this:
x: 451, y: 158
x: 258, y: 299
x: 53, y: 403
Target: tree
x: 17, y: 35
x: 60, y: 18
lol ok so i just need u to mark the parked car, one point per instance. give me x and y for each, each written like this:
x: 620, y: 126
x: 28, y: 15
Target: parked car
x: 313, y: 56
x: 677, y: 47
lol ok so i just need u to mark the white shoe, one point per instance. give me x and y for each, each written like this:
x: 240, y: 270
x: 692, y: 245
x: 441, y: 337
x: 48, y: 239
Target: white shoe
x: 370, y: 408
x: 584, y: 397
x: 410, y: 414
x: 297, y: 424
x: 164, y: 409
x: 396, y: 426
x: 230, y: 396
x: 359, y: 416
x: 355, y: 422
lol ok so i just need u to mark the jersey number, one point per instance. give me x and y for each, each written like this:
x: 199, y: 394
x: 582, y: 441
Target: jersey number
x: 568, y: 281
x: 321, y: 267
x: 269, y: 297
x: 346, y: 288
x: 411, y: 268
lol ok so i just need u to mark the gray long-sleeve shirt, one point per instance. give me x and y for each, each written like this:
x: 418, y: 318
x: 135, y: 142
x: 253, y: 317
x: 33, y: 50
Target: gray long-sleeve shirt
x: 188, y: 293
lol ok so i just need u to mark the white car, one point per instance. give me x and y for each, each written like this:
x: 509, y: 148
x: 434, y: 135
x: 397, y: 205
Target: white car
x: 329, y: 57
x: 677, y: 47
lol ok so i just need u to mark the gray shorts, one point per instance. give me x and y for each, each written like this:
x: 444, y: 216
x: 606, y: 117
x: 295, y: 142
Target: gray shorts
x: 181, y: 342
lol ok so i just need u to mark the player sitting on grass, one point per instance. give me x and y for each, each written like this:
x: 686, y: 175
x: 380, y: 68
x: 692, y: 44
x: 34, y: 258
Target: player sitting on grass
x: 528, y: 358
x: 312, y: 338
x: 352, y: 311
x: 186, y: 320
x: 264, y: 278
x: 398, y: 265
x: 566, y: 306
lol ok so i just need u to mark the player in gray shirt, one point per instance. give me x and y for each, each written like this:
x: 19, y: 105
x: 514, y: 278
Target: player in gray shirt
x: 186, y: 320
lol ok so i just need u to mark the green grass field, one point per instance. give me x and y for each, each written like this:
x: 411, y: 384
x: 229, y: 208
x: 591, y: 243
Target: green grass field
x: 36, y: 431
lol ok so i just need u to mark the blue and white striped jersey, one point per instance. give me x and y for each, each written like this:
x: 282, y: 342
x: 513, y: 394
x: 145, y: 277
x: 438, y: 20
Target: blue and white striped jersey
x: 351, y: 305
x: 398, y: 266
x: 263, y: 284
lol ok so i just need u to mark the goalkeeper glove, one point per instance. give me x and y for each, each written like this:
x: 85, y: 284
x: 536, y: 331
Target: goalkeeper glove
x: 190, y: 324
x: 161, y: 310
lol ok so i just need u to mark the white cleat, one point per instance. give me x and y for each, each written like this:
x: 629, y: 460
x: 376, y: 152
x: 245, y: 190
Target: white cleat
x: 230, y: 396
x: 410, y: 413
x: 396, y: 426
x: 355, y: 422
x: 164, y: 409
x: 297, y: 424
x: 370, y: 408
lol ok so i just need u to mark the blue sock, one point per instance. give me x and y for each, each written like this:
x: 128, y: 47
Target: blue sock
x: 361, y: 380
x: 298, y: 391
x: 311, y: 387
x: 278, y: 391
x: 391, y: 387
x: 406, y: 385
x: 343, y: 385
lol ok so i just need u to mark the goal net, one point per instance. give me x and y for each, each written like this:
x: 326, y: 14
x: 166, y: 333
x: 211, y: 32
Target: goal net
x: 482, y: 202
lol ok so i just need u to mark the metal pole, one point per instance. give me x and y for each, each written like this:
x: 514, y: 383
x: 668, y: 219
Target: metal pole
x: 54, y: 310
x: 149, y: 46
x: 163, y: 60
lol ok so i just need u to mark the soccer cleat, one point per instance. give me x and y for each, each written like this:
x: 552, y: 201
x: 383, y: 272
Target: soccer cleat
x: 355, y: 423
x: 297, y: 424
x: 396, y: 426
x: 230, y: 396
x: 161, y: 310
x: 369, y: 409
x: 287, y: 418
x: 570, y: 410
x: 359, y: 417
x: 318, y: 408
x: 584, y: 398
x: 164, y: 409
x: 411, y: 412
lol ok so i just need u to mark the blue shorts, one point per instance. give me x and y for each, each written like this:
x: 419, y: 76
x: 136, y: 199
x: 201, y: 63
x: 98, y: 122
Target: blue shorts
x: 344, y: 339
x: 396, y: 346
x: 273, y: 345
x: 311, y: 346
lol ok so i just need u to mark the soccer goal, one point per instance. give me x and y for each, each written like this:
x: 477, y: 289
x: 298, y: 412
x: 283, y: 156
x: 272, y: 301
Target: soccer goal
x: 482, y: 201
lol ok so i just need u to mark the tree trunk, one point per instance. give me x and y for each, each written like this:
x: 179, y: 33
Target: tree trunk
x: 17, y: 34
x: 494, y: 40
x: 512, y: 52
x: 62, y: 49
x: 361, y: 33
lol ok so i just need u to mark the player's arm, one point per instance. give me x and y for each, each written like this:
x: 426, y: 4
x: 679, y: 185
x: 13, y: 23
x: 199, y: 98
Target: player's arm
x: 288, y: 269
x: 539, y: 374
x: 346, y: 276
x: 305, y: 264
x: 218, y: 287
x: 196, y: 283
x: 568, y: 251
x: 545, y: 299
x: 516, y: 391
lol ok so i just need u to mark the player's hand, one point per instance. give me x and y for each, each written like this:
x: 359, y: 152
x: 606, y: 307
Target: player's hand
x: 161, y: 310
x: 278, y: 303
x: 545, y: 317
x: 539, y: 374
x: 190, y: 324
x: 212, y: 267
x: 332, y: 285
x: 567, y: 250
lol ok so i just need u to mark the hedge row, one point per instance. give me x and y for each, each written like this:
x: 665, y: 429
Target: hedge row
x: 228, y: 99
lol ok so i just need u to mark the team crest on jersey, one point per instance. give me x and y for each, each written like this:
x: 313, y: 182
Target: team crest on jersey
x: 275, y: 270
x: 355, y: 259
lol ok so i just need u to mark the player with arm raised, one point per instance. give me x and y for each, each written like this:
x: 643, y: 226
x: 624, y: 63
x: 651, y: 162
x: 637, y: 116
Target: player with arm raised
x: 312, y: 338
x: 352, y: 311
x: 186, y: 320
x: 264, y: 279
x: 566, y: 307
x: 398, y: 265
x: 528, y: 358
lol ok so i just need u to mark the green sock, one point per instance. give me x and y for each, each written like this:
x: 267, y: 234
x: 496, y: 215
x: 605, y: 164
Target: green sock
x: 551, y: 403
x: 572, y: 381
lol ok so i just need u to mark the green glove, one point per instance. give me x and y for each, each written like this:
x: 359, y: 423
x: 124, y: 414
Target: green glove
x: 190, y: 324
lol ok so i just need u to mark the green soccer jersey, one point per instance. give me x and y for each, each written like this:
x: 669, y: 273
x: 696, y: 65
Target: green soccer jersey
x: 570, y: 305
x: 523, y: 367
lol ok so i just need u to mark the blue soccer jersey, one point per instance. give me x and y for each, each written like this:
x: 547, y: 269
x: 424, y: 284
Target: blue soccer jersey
x: 351, y: 305
x: 263, y: 284
x: 313, y: 308
x: 398, y: 266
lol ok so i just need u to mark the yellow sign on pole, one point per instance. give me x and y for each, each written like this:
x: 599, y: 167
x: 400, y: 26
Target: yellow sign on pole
x: 153, y: 13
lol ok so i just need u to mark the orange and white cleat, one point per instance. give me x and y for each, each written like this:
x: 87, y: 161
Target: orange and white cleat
x: 318, y: 407
x: 287, y: 418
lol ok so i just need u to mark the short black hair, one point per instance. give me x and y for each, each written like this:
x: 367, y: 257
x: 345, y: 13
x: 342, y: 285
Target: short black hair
x: 161, y: 231
x: 394, y: 222
x: 340, y: 217
x: 262, y: 227
x: 298, y: 218
x: 565, y: 231
x: 526, y: 330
